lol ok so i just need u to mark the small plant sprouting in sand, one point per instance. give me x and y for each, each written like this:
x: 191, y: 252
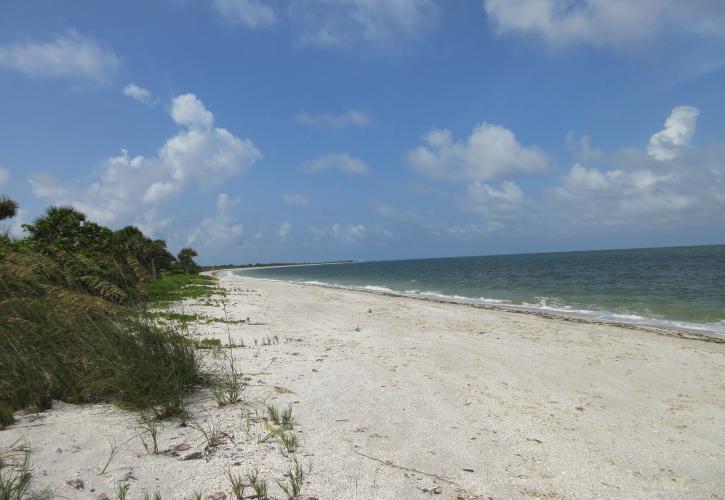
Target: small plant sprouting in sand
x: 237, y: 484
x: 149, y: 427
x: 295, y: 478
x: 111, y: 454
x: 273, y: 414
x: 122, y: 490
x: 258, y: 485
x: 246, y: 418
x: 289, y: 441
x: 213, y: 433
x: 14, y: 471
x: 197, y: 495
x: 230, y: 385
x: 286, y: 420
x: 155, y: 496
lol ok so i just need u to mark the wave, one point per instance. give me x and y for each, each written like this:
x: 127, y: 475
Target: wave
x: 548, y: 305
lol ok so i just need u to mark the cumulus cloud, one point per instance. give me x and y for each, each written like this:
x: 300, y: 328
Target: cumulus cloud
x: 140, y: 94
x: 250, y: 13
x: 621, y: 196
x: 67, y: 55
x: 337, y: 161
x: 199, y: 154
x: 189, y: 111
x: 614, y: 23
x: 494, y: 203
x: 669, y: 143
x: 219, y: 232
x: 490, y: 151
x: 349, y: 118
x: 4, y: 176
x: 295, y: 200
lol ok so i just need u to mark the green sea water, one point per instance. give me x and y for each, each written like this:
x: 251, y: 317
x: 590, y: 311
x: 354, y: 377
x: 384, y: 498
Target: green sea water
x: 680, y: 287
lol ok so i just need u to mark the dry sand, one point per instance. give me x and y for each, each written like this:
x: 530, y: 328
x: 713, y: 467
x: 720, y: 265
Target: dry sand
x: 401, y: 398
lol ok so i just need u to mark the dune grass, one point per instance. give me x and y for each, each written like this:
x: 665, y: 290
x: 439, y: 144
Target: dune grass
x: 173, y: 286
x: 57, y: 341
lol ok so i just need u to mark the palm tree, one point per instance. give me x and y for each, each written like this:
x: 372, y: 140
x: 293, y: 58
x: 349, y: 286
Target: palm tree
x: 186, y: 259
x: 8, y: 208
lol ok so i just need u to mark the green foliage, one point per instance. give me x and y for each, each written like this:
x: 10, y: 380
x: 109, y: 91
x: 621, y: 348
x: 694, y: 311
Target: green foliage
x: 295, y: 478
x: 237, y: 484
x: 258, y: 485
x: 8, y: 208
x: 6, y: 415
x: 173, y: 287
x: 66, y: 331
x: 14, y: 471
x: 186, y: 260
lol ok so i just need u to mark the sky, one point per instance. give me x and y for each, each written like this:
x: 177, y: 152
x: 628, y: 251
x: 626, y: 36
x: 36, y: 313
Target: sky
x: 312, y: 130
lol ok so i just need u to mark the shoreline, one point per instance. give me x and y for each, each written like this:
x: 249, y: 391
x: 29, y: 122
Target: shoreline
x: 668, y: 330
x: 404, y: 399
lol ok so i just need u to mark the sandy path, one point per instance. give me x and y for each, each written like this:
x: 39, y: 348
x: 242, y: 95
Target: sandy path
x: 476, y: 403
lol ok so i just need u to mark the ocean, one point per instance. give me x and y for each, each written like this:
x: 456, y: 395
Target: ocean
x: 681, y: 287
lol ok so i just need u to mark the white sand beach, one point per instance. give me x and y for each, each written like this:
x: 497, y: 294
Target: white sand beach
x: 397, y: 398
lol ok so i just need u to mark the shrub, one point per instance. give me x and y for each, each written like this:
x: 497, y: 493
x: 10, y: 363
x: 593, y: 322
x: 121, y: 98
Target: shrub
x: 58, y: 340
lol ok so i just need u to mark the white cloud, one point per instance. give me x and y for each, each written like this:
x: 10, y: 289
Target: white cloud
x: 349, y: 118
x: 669, y: 143
x: 16, y: 230
x: 130, y: 186
x: 344, y: 233
x: 348, y: 233
x: 46, y: 186
x: 337, y: 161
x: 251, y: 13
x: 69, y: 54
x: 140, y: 94
x: 220, y: 232
x: 490, y: 151
x: 4, y: 176
x: 284, y: 231
x: 188, y: 110
x: 627, y: 197
x: 613, y: 23
x: 380, y: 22
x: 489, y: 201
x: 393, y: 213
x: 295, y: 200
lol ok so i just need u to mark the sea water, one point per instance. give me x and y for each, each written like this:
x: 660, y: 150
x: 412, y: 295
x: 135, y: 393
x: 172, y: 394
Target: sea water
x: 681, y: 287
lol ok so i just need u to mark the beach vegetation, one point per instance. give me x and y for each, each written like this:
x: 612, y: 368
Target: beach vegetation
x: 121, y: 490
x: 227, y: 387
x: 212, y: 433
x: 237, y: 484
x: 292, y: 487
x: 74, y: 324
x: 149, y: 428
x: 186, y: 260
x: 257, y: 484
x: 15, y: 471
x: 112, y: 453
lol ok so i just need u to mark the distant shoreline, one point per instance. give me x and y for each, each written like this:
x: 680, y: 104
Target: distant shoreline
x: 682, y: 332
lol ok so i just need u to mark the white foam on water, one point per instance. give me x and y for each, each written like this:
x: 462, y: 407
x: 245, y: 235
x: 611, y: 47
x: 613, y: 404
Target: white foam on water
x: 545, y: 305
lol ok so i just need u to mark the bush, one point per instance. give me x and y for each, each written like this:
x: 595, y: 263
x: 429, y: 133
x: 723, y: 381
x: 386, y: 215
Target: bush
x: 65, y: 337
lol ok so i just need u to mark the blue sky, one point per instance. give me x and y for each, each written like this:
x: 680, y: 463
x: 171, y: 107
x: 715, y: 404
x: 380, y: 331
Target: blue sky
x: 269, y: 130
